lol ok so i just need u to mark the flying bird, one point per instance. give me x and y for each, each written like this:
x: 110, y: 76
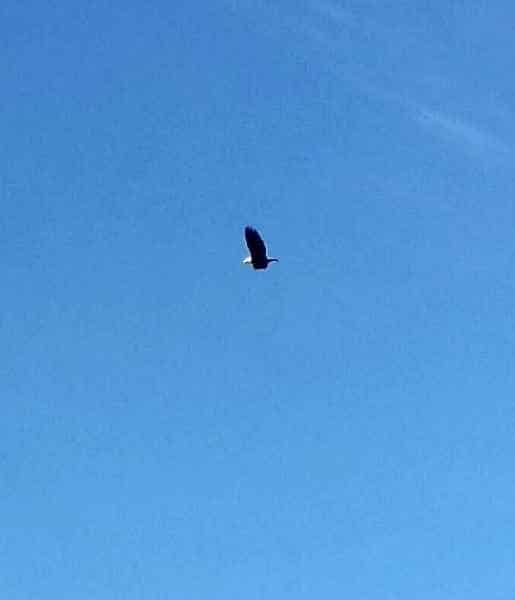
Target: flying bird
x: 258, y: 258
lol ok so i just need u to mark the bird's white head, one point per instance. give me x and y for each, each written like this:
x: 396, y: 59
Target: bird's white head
x: 247, y: 261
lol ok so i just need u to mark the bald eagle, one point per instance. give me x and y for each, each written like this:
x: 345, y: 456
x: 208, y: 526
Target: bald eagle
x: 258, y: 258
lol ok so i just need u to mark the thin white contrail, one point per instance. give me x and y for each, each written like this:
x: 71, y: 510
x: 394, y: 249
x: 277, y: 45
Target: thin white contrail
x: 456, y: 129
x: 328, y: 27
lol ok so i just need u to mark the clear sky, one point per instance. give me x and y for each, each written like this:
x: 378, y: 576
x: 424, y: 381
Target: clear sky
x: 176, y: 425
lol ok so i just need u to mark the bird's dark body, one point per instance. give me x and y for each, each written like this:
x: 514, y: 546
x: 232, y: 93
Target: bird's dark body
x: 259, y: 265
x: 257, y: 249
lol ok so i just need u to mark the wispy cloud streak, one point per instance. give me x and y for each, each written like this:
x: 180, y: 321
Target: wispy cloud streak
x: 342, y: 35
x: 466, y: 134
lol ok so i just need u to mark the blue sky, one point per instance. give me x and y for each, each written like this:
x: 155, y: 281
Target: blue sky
x: 175, y: 425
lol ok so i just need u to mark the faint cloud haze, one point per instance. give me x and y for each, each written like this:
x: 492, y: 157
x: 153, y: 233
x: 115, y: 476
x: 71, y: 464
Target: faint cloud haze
x: 337, y: 31
x: 335, y: 12
x: 469, y: 136
x: 464, y: 133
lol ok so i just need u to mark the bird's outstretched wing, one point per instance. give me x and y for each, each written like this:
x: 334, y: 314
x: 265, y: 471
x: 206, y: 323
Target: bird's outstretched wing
x: 255, y: 244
